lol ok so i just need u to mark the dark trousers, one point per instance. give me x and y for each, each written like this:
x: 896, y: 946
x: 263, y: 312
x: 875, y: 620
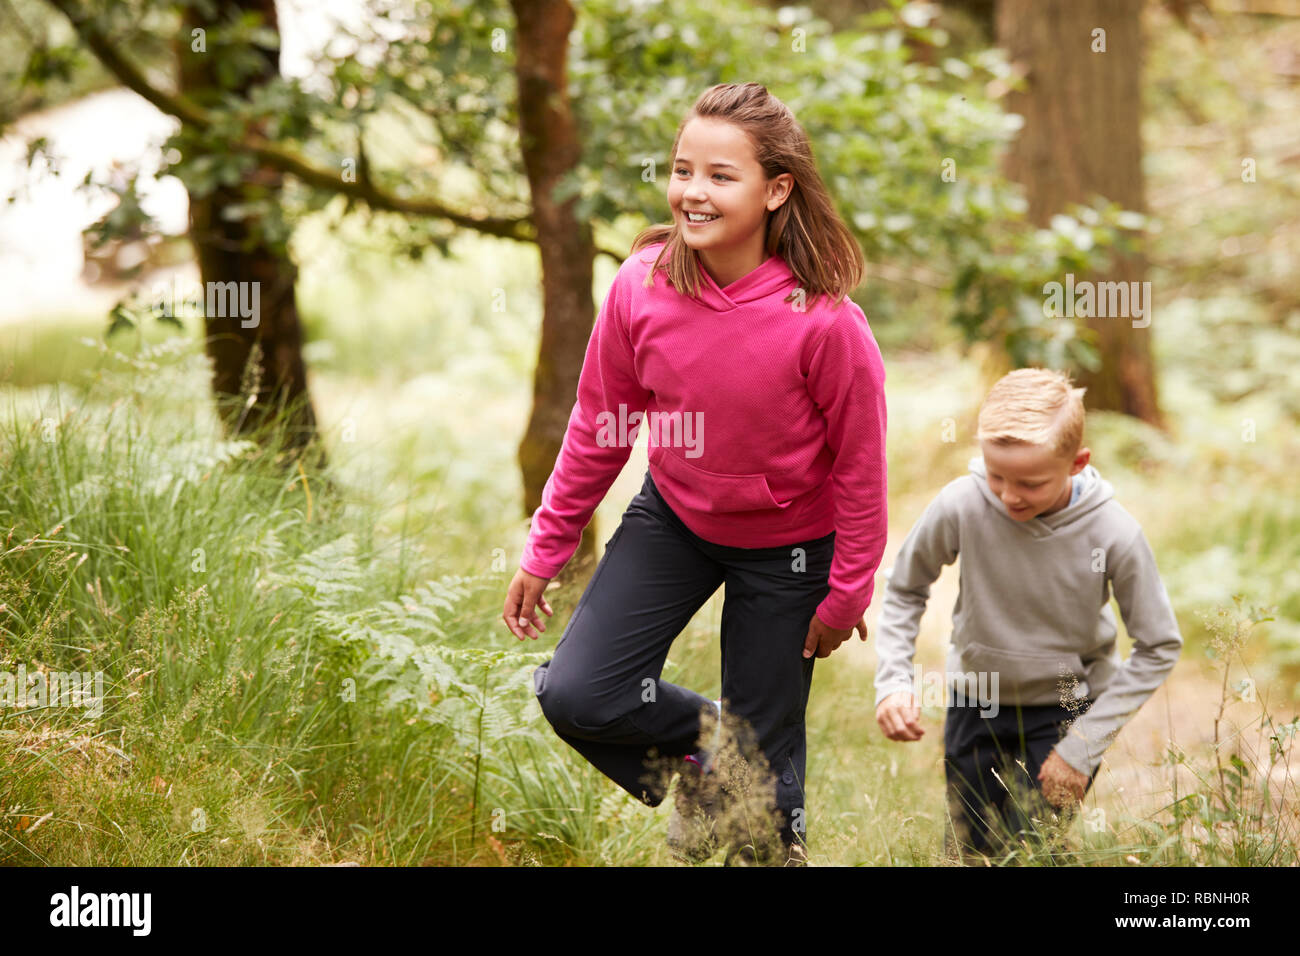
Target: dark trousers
x: 986, y: 812
x: 602, y: 692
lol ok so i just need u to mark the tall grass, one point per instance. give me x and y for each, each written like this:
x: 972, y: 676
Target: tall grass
x: 1241, y: 810
x: 286, y: 679
x: 308, y: 667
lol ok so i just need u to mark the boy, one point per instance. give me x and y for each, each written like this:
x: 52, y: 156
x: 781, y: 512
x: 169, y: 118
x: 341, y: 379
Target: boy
x: 1042, y: 542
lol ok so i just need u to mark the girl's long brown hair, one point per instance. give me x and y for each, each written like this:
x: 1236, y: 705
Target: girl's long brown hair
x: 805, y: 230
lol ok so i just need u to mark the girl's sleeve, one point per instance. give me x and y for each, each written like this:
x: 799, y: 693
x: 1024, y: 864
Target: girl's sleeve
x: 846, y: 378
x: 591, y: 456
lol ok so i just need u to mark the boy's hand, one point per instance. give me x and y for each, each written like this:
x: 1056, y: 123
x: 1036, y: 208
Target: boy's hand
x: 522, y: 599
x: 1063, y: 786
x: 899, y: 717
x: 823, y: 639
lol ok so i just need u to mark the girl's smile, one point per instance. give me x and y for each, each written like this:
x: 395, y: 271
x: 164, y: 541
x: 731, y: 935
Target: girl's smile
x: 700, y: 219
x: 721, y: 197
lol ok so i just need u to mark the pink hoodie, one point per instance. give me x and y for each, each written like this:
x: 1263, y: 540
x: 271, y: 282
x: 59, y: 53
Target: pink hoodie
x: 794, y: 404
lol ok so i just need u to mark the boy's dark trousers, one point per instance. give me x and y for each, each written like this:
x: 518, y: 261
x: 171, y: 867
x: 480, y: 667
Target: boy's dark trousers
x: 984, y: 814
x: 602, y: 692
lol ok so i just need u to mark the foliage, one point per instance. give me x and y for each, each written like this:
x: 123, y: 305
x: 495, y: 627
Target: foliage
x: 426, y: 97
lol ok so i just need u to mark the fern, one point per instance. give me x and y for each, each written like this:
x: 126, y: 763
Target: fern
x: 172, y: 467
x: 405, y: 661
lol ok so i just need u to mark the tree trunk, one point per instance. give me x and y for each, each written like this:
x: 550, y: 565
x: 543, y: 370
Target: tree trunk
x: 1082, y: 136
x: 549, y: 140
x: 258, y: 369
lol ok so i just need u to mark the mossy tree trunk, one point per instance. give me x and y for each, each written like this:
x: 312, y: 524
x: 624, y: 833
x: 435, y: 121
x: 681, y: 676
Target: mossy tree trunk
x: 551, y: 149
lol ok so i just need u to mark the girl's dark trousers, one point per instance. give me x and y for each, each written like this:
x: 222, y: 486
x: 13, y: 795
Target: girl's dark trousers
x: 602, y: 692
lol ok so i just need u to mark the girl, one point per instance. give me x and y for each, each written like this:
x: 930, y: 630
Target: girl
x: 731, y: 322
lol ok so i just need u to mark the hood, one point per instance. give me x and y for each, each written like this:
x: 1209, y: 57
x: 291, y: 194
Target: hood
x: 771, y: 277
x: 1094, y: 493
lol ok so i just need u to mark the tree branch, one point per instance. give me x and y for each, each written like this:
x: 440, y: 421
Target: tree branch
x: 273, y: 154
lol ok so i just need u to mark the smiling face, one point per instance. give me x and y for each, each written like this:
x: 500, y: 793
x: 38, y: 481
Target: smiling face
x: 716, y: 172
x: 1029, y: 479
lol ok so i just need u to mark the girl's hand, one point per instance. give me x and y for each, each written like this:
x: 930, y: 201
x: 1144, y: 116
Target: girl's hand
x: 899, y: 717
x: 523, y: 597
x: 824, y: 639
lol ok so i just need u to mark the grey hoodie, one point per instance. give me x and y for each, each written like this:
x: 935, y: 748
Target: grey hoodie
x: 1033, y: 605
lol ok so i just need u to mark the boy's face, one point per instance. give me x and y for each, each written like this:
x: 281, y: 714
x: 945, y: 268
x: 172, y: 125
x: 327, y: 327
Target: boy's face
x: 1029, y: 479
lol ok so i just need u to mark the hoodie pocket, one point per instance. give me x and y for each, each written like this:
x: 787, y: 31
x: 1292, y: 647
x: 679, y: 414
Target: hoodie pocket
x: 1028, y: 677
x: 711, y: 491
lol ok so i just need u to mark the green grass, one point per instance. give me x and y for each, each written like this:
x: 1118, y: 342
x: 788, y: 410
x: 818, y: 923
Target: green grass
x: 43, y: 352
x: 308, y: 671
x: 230, y: 618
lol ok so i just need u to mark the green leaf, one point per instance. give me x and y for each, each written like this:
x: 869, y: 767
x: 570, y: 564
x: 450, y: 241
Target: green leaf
x: 119, y: 320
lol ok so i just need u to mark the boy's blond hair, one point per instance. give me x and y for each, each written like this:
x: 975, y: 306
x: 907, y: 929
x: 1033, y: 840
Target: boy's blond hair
x: 1034, y: 406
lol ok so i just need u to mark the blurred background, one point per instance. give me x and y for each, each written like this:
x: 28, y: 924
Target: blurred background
x: 282, y: 528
